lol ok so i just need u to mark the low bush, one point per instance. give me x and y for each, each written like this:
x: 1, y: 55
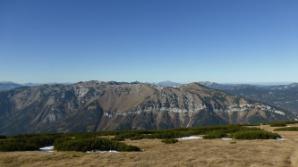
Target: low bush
x: 282, y: 123
x: 17, y: 145
x: 177, y: 133
x: 255, y: 134
x: 289, y: 122
x: 287, y: 129
x: 215, y: 134
x: 129, y: 135
x: 26, y: 142
x: 119, y: 138
x: 92, y: 144
x: 278, y: 124
x: 2, y: 137
x: 169, y: 141
x: 249, y: 124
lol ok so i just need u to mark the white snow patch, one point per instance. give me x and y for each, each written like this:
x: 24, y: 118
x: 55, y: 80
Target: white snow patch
x: 279, y: 112
x: 81, y: 91
x: 47, y: 149
x: 280, y: 139
x: 190, y: 138
x: 226, y: 139
x: 109, y: 115
x: 97, y: 151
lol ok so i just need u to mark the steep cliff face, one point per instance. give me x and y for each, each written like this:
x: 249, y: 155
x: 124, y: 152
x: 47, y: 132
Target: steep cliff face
x: 95, y: 106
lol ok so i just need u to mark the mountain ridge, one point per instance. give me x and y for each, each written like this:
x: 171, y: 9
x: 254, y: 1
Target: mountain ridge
x: 96, y: 106
x: 281, y: 96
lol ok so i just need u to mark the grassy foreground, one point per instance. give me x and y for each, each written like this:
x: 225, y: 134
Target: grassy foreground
x: 201, y: 153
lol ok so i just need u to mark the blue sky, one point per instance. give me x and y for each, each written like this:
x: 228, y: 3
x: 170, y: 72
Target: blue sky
x: 149, y: 40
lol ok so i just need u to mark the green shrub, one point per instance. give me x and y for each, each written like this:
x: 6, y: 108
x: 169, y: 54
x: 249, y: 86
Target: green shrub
x: 177, y: 133
x: 278, y: 124
x: 92, y: 144
x: 287, y: 129
x: 17, y: 145
x: 289, y: 122
x: 215, y: 134
x: 282, y: 123
x: 249, y: 124
x: 255, y: 134
x: 2, y: 137
x: 119, y: 138
x: 129, y: 135
x: 169, y: 135
x: 169, y: 141
x: 26, y: 142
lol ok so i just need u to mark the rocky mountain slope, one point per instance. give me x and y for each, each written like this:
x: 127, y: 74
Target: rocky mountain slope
x: 282, y: 96
x: 96, y: 106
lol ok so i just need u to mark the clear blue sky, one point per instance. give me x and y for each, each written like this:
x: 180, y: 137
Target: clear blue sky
x: 149, y: 40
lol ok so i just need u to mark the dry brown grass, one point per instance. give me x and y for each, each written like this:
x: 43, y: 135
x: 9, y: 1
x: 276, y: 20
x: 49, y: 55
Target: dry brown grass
x: 205, y: 153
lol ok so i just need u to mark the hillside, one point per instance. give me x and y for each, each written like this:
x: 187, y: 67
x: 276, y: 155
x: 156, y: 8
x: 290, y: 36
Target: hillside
x: 282, y: 96
x: 96, y: 106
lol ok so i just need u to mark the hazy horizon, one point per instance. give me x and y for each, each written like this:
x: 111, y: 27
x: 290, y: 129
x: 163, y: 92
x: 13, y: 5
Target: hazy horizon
x: 231, y: 41
x: 156, y: 82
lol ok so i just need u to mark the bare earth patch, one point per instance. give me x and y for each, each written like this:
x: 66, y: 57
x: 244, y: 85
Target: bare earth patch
x: 204, y: 153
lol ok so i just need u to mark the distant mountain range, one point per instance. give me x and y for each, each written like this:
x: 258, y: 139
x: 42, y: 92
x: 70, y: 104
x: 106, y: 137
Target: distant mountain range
x: 96, y: 106
x: 4, y: 86
x: 282, y: 96
x: 8, y: 86
x: 168, y: 84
